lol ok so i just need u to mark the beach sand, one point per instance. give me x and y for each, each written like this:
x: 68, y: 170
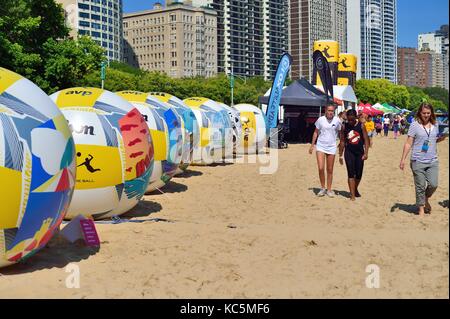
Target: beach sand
x: 225, y: 231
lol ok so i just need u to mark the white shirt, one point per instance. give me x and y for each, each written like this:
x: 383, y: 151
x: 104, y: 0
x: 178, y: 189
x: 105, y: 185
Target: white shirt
x: 328, y: 133
x: 386, y: 120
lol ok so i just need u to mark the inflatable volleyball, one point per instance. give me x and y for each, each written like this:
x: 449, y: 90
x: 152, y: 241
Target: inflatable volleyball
x: 254, y: 134
x: 114, y: 151
x: 235, y: 124
x: 37, y: 168
x: 190, y: 128
x: 165, y: 128
x: 216, y: 134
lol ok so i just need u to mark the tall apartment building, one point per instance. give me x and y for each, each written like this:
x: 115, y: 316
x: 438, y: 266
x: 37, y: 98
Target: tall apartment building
x: 420, y: 68
x: 180, y: 40
x: 407, y: 66
x: 99, y: 19
x: 312, y: 20
x: 252, y: 35
x: 424, y: 69
x: 437, y: 43
x: 377, y: 22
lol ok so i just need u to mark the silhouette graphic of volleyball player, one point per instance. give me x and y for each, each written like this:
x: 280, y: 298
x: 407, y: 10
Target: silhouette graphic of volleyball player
x: 87, y: 163
x: 325, y: 52
x: 343, y: 63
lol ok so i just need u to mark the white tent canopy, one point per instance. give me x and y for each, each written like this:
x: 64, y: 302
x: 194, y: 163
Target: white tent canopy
x: 342, y: 92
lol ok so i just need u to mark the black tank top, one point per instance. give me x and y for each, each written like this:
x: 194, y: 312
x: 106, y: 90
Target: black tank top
x: 354, y: 138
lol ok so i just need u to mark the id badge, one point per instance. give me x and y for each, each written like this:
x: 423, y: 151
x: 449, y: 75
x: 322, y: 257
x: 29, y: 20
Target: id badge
x: 425, y: 146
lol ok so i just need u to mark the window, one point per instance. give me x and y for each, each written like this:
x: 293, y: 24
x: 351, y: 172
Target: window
x: 84, y: 24
x: 83, y: 6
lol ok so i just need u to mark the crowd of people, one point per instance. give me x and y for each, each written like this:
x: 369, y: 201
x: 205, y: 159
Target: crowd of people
x: 355, y: 133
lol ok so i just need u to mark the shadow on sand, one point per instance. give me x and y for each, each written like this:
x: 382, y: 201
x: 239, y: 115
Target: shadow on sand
x: 345, y: 194
x: 444, y: 203
x: 408, y: 208
x: 189, y: 173
x: 57, y: 254
x: 143, y: 209
x: 170, y: 188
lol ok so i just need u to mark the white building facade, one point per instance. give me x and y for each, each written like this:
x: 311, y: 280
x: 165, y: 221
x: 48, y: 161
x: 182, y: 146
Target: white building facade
x: 99, y: 19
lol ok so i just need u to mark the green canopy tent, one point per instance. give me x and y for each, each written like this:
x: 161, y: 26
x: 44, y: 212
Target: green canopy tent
x: 390, y: 108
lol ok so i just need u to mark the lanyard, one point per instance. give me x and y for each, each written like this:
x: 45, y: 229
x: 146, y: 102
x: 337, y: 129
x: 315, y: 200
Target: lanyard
x: 428, y: 132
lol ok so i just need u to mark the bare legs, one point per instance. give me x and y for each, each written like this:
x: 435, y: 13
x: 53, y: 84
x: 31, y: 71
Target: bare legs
x: 323, y: 158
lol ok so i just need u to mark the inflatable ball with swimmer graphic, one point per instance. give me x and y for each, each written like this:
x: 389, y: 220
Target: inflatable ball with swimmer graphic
x: 114, y: 151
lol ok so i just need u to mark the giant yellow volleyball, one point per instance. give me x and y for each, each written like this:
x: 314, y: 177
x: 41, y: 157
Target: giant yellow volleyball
x: 165, y: 128
x: 114, y: 151
x: 37, y: 168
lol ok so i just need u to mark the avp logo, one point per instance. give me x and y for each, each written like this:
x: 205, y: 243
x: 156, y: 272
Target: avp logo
x: 82, y: 93
x: 82, y: 129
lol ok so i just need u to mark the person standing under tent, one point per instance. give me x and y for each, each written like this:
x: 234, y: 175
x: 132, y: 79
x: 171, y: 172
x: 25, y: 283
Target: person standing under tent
x: 355, y: 141
x: 423, y: 136
x: 386, y: 123
x: 325, y: 134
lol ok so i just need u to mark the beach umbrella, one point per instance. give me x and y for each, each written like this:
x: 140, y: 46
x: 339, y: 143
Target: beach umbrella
x: 114, y: 151
x: 166, y: 139
x: 37, y: 168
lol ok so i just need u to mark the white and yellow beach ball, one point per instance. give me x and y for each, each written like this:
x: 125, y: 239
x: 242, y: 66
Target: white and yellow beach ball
x: 165, y: 128
x: 190, y: 127
x: 37, y: 168
x: 114, y: 151
x: 215, y: 130
x: 254, y: 135
x: 235, y: 123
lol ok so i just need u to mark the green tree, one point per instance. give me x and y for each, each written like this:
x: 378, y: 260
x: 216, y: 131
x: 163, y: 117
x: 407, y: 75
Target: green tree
x: 437, y: 93
x: 67, y: 61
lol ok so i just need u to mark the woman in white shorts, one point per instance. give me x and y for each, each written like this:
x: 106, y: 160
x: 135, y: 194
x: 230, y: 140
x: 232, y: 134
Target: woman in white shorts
x: 326, y: 134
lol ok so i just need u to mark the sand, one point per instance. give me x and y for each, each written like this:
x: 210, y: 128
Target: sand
x: 225, y: 231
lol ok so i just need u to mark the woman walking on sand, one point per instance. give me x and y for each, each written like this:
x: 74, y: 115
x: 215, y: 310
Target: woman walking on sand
x: 396, y: 126
x: 423, y: 135
x: 325, y: 134
x: 386, y: 123
x: 355, y: 141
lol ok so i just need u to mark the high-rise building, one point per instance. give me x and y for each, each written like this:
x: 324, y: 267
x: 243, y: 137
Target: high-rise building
x: 407, y: 66
x: 179, y: 40
x: 312, y: 20
x: 354, y: 32
x: 99, y: 19
x: 378, y: 31
x: 424, y: 69
x: 437, y: 43
x: 420, y: 68
x: 252, y: 35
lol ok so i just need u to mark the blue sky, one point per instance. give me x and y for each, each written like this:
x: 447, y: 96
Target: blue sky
x: 414, y: 17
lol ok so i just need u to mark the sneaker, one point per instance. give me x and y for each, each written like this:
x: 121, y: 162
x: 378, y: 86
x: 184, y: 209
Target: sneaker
x: 322, y: 192
x: 330, y: 194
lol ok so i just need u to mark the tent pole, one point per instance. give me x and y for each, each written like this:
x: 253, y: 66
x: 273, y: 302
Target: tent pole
x: 320, y: 111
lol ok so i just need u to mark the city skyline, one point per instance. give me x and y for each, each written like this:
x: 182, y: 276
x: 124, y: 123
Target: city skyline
x: 413, y: 17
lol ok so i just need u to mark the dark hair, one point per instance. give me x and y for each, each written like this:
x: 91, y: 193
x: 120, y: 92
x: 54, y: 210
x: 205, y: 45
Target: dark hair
x: 419, y: 111
x: 351, y: 112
